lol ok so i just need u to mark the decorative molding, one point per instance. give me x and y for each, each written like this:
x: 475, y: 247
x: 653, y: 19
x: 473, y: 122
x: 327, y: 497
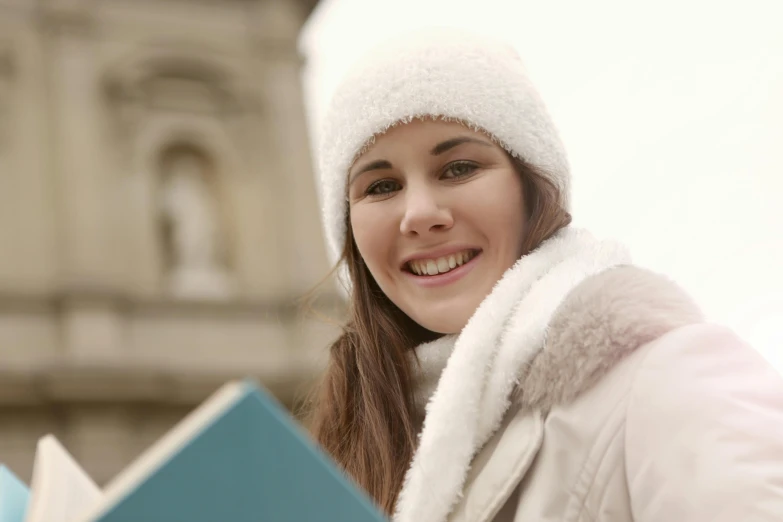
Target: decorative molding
x: 285, y: 308
x: 6, y: 59
x: 72, y: 17
x: 178, y: 79
x: 69, y: 384
x: 225, y: 77
x: 7, y: 69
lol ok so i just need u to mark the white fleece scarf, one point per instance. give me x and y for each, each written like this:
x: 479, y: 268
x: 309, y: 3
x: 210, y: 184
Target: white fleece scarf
x: 507, y: 330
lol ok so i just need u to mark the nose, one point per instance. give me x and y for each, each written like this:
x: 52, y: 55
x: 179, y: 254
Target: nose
x: 424, y: 214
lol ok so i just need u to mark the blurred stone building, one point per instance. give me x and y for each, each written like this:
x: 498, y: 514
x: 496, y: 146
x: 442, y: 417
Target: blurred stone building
x: 158, y: 218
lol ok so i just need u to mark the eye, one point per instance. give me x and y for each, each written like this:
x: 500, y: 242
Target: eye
x: 382, y: 187
x: 460, y: 169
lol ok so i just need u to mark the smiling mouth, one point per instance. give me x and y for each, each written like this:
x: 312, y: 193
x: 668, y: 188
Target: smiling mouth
x: 440, y: 265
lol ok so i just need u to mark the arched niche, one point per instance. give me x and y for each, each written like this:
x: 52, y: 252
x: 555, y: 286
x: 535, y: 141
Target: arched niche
x: 206, y: 88
x: 161, y: 140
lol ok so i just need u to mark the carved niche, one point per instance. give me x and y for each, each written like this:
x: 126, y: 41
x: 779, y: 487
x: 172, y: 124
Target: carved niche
x: 167, y: 104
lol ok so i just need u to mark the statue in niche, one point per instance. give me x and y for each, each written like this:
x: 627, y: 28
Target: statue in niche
x: 195, y: 242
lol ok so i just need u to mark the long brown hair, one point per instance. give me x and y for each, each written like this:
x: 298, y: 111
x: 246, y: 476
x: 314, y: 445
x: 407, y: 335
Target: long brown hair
x: 364, y: 414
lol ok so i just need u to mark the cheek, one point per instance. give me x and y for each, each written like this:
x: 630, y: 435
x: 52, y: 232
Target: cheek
x: 510, y: 212
x: 372, y: 236
x: 511, y: 217
x: 499, y: 207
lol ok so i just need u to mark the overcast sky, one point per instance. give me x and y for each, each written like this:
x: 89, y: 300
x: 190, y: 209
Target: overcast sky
x: 672, y: 114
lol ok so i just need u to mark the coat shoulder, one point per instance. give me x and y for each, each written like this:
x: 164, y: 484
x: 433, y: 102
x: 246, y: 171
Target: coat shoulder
x: 699, y: 364
x: 600, y: 322
x: 703, y: 387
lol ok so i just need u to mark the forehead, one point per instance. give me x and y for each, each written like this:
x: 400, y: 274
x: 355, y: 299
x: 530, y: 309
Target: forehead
x: 418, y: 132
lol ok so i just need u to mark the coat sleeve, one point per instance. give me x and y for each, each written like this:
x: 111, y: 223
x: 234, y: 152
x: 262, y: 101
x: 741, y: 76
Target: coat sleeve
x: 704, y: 431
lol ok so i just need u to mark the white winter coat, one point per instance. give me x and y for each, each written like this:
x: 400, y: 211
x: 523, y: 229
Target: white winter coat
x: 631, y: 409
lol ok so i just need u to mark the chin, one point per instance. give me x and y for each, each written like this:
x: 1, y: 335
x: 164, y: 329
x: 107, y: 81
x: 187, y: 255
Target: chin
x: 444, y: 317
x: 442, y: 325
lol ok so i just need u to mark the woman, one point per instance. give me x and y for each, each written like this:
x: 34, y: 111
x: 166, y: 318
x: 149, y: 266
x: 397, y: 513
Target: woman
x: 500, y: 364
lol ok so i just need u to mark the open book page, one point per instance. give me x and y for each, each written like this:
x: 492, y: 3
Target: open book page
x: 60, y: 489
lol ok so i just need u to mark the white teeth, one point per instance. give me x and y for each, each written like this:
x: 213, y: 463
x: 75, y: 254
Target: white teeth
x: 440, y: 265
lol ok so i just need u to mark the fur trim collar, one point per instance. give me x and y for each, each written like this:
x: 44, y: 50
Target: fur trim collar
x: 603, y: 319
x: 504, y: 335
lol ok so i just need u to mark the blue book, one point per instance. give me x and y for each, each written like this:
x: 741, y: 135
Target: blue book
x: 13, y: 497
x: 238, y: 457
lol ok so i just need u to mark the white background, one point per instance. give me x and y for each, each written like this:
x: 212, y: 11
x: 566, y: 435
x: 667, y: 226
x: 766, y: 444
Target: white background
x: 672, y: 115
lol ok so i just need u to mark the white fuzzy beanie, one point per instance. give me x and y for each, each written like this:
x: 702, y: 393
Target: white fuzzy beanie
x: 444, y: 73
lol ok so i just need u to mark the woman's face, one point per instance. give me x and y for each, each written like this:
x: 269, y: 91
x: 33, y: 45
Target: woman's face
x: 438, y: 215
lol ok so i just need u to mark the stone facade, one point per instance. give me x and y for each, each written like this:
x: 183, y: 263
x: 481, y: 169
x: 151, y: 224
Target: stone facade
x: 158, y: 218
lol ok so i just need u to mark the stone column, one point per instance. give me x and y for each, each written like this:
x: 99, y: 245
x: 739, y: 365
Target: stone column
x: 278, y: 23
x: 83, y: 188
x: 84, y: 192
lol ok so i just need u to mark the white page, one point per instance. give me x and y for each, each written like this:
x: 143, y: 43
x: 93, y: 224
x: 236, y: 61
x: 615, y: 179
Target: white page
x: 60, y: 488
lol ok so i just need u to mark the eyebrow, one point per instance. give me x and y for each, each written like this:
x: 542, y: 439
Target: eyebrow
x: 442, y: 147
x: 375, y: 165
x: 437, y: 150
